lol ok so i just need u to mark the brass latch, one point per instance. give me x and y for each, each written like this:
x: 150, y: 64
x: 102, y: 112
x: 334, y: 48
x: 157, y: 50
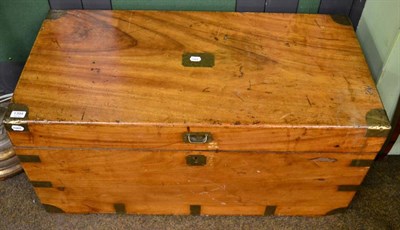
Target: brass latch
x: 197, y: 137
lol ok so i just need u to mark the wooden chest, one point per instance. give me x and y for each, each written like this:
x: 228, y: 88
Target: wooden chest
x: 196, y: 113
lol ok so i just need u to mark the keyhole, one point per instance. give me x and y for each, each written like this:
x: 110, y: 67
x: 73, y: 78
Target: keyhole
x: 195, y: 160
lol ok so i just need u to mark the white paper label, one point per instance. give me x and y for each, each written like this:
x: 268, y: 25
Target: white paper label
x: 18, y: 114
x: 195, y: 58
x: 17, y: 128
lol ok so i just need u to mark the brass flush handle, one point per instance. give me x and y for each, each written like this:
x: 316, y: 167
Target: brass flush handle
x: 198, y: 60
x: 197, y: 137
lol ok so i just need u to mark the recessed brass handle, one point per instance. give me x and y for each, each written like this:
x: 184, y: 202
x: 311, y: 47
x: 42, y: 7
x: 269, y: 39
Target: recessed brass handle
x: 198, y: 59
x: 197, y: 137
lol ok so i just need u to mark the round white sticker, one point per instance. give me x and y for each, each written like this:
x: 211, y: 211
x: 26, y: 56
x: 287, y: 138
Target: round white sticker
x: 17, y: 128
x: 195, y: 58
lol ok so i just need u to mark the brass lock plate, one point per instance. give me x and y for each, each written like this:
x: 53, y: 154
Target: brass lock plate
x: 196, y: 160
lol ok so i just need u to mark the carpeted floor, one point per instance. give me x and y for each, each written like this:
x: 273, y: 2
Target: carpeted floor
x: 376, y: 206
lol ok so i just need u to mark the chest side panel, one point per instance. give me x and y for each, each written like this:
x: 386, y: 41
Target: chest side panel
x: 148, y: 182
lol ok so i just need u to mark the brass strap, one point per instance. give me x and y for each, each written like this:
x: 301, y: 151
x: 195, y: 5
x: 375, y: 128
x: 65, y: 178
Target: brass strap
x: 29, y: 158
x: 120, y: 208
x: 348, y: 188
x: 269, y: 210
x: 52, y: 208
x: 42, y: 184
x: 195, y: 210
x: 361, y: 163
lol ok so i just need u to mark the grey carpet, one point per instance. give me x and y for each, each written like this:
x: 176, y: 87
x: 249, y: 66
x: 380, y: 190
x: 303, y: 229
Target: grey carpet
x: 376, y: 206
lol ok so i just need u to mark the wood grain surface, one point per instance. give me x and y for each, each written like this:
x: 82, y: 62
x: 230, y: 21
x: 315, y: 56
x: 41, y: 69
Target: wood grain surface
x: 125, y: 67
x: 225, y: 138
x: 161, y: 182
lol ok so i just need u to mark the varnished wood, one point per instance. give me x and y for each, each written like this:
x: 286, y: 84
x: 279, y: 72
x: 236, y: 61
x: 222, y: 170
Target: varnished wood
x: 161, y: 182
x: 169, y: 137
x: 125, y: 66
x: 109, y: 101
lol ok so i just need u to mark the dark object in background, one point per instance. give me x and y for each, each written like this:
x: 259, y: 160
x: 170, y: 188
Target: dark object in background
x: 250, y: 5
x: 9, y: 163
x: 356, y: 11
x: 96, y: 4
x: 339, y: 7
x: 281, y: 6
x: 9, y: 72
x: 308, y: 6
x: 65, y: 4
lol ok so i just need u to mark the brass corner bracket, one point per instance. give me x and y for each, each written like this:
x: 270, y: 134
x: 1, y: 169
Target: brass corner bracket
x: 378, y: 123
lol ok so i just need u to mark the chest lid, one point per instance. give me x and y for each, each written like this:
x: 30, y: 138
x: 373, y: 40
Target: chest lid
x: 170, y: 73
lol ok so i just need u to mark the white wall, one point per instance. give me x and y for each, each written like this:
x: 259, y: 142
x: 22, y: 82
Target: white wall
x: 379, y: 35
